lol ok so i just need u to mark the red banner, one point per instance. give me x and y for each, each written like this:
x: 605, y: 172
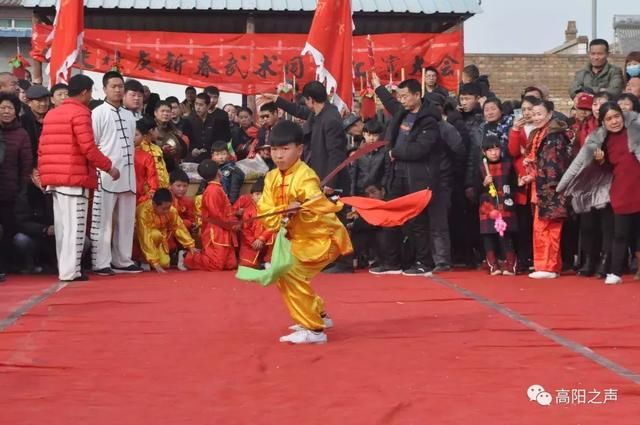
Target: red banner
x: 254, y: 63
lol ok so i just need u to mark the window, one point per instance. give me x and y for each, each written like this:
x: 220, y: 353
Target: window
x: 6, y: 23
x: 22, y: 23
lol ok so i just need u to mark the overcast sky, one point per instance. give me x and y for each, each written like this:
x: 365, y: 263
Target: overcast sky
x: 534, y: 26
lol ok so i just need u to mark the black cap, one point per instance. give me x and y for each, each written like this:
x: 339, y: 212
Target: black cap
x: 350, y: 121
x: 37, y: 92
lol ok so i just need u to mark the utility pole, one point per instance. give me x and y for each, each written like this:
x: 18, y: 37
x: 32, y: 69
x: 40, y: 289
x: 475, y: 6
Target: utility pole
x: 594, y: 19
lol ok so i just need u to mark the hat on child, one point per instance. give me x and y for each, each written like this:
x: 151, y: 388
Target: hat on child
x: 584, y: 101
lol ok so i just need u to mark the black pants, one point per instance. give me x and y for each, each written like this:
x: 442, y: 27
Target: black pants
x: 626, y: 227
x: 417, y: 228
x: 524, y: 237
x: 465, y: 229
x: 569, y: 242
x: 498, y: 245
x: 596, y: 232
x: 8, y: 224
x: 439, y: 226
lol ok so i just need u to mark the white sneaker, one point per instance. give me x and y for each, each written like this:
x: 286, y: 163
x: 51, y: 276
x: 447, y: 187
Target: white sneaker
x: 543, y: 275
x: 305, y: 336
x: 267, y: 266
x: 328, y: 324
x: 613, y: 279
x: 181, y: 265
x: 146, y: 267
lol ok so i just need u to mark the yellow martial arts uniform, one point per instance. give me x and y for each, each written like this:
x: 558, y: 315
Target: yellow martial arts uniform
x: 154, y: 232
x: 317, y: 237
x: 158, y: 159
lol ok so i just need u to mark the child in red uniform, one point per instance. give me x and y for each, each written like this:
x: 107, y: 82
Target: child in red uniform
x: 146, y: 175
x: 256, y: 243
x: 179, y: 183
x: 219, y: 226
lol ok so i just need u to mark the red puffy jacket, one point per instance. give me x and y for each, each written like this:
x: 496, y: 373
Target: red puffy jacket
x: 67, y: 153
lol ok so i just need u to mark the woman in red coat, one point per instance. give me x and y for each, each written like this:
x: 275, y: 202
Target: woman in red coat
x: 622, y: 152
x: 15, y: 170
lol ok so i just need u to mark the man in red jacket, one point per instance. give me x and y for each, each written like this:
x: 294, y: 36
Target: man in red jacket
x: 68, y: 158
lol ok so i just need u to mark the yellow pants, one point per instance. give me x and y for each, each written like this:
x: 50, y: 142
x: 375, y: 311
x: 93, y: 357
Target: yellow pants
x: 161, y: 251
x: 305, y: 306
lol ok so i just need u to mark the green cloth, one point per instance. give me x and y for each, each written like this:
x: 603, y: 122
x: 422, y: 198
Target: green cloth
x: 281, y: 262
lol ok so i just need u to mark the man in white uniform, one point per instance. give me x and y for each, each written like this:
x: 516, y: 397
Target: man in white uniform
x: 114, y: 202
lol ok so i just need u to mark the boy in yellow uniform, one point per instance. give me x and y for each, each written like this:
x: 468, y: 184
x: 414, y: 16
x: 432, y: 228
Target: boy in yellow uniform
x: 157, y: 221
x: 317, y: 236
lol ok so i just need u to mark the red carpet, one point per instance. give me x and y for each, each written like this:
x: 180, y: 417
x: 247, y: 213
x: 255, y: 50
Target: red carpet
x: 202, y: 348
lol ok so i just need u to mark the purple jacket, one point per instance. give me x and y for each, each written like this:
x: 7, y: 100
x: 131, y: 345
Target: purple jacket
x: 15, y: 170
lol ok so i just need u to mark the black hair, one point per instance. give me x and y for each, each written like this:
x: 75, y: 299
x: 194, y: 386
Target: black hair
x: 245, y: 109
x: 373, y: 126
x: 78, y: 84
x: 189, y: 88
x: 171, y: 100
x: 286, y: 132
x: 59, y: 86
x: 547, y: 104
x: 109, y: 75
x: 496, y: 101
x: 586, y: 89
x: 509, y: 106
x: 530, y: 89
x: 472, y: 71
x: 412, y: 85
x: 599, y: 42
x: 531, y: 99
x: 258, y: 186
x: 469, y: 89
x: 205, y: 97
x: 490, y: 141
x: 208, y: 170
x: 178, y: 175
x: 24, y: 84
x: 219, y: 146
x: 632, y: 98
x: 161, y: 103
x: 14, y: 100
x: 602, y: 94
x: 432, y: 69
x: 316, y: 91
x: 269, y: 107
x: 606, y: 107
x: 133, y: 85
x: 212, y: 90
x: 231, y: 104
x: 145, y: 124
x: 162, y: 196
x: 436, y: 98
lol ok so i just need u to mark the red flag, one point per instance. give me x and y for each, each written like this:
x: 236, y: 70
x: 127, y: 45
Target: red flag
x: 330, y: 44
x: 67, y: 35
x: 390, y: 213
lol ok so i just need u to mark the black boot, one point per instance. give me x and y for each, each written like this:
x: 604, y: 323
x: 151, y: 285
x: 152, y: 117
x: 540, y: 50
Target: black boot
x: 603, y: 266
x: 588, y: 268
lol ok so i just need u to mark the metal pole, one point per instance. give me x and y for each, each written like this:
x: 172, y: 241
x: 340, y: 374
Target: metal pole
x: 594, y: 19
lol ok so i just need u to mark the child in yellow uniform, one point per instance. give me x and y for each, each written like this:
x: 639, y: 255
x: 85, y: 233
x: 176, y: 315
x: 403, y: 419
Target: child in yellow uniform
x: 157, y: 221
x: 317, y: 236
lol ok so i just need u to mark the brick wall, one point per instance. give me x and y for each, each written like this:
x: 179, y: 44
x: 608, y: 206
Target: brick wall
x: 509, y: 74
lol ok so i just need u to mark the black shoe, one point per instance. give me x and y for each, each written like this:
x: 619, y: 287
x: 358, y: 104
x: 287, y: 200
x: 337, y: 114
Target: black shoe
x: 603, y: 266
x: 3, y: 277
x: 129, y: 269
x: 338, y: 268
x: 418, y: 269
x: 385, y: 270
x: 82, y: 278
x: 442, y: 267
x: 107, y: 271
x: 588, y: 268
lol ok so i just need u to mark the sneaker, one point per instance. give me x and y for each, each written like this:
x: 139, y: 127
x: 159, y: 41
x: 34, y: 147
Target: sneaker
x: 328, y: 324
x: 82, y: 278
x: 107, y: 271
x: 508, y: 272
x: 613, y: 279
x: 305, y: 336
x: 418, y: 269
x: 494, y: 270
x: 637, y: 275
x: 543, y: 275
x: 440, y: 268
x: 145, y: 267
x: 3, y: 277
x: 129, y: 269
x: 338, y: 269
x: 180, y: 264
x: 385, y: 270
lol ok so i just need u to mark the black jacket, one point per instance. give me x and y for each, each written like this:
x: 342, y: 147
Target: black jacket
x: 370, y: 169
x: 34, y: 128
x: 423, y: 152
x: 221, y: 126
x: 455, y: 154
x: 325, y: 141
x: 34, y: 212
x: 232, y: 180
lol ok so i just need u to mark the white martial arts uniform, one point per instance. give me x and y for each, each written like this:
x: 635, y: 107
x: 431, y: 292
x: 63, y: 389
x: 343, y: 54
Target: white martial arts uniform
x: 70, y: 206
x: 114, y: 202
